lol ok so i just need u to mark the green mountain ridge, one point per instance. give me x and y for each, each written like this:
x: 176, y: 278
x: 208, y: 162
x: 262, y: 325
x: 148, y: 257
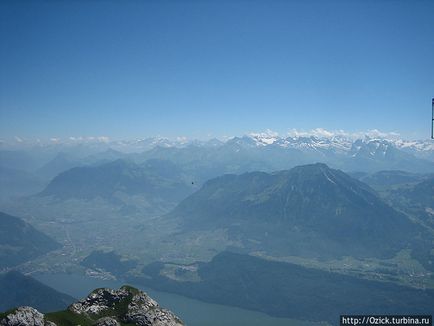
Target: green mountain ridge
x: 310, y: 210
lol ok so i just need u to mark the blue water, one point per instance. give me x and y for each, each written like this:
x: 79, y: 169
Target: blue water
x: 192, y: 312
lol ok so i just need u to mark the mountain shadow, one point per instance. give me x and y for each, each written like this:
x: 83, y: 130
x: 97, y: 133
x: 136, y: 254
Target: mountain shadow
x: 20, y: 242
x: 19, y: 290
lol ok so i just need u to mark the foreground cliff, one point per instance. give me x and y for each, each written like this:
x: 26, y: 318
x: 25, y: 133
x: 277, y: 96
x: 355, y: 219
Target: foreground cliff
x: 102, y: 307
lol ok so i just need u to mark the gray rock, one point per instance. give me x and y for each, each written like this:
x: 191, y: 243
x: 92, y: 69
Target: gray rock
x: 99, y: 301
x: 107, y: 321
x: 144, y: 311
x: 25, y: 316
x: 49, y: 323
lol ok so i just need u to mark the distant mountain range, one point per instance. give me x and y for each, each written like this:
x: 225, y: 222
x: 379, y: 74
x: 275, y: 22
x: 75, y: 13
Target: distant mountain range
x: 346, y: 151
x: 20, y: 242
x: 259, y: 194
x: 19, y: 290
x: 318, y: 138
x: 203, y: 160
x: 248, y: 153
x: 310, y: 210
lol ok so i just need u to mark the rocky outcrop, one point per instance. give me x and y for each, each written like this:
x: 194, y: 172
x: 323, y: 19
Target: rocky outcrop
x: 100, y: 301
x: 102, y: 307
x: 144, y: 311
x: 127, y: 305
x: 24, y: 316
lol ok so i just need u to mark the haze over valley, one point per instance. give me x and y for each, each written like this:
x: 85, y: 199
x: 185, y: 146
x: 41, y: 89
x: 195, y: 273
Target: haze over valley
x: 209, y: 163
x: 174, y: 216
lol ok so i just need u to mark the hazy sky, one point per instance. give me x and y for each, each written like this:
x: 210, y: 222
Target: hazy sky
x: 211, y: 68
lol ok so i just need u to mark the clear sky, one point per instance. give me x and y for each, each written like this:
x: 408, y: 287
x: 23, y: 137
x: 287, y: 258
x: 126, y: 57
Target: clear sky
x: 202, y: 68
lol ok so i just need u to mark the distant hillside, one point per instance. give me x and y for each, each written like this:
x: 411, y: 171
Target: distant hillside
x: 310, y: 210
x: 390, y: 178
x: 286, y: 290
x: 421, y: 193
x: 417, y: 200
x: 156, y: 181
x: 19, y: 241
x: 19, y: 290
x: 108, y: 261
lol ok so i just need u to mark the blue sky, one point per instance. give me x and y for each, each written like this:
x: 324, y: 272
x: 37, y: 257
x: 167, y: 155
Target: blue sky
x: 194, y: 68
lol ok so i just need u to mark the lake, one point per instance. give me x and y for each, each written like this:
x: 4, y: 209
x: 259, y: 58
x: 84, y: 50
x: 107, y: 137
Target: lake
x: 192, y: 312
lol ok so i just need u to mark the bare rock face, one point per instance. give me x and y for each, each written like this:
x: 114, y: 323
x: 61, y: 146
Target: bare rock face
x: 144, y: 311
x: 25, y: 316
x: 127, y: 305
x: 100, y: 300
x: 107, y: 321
